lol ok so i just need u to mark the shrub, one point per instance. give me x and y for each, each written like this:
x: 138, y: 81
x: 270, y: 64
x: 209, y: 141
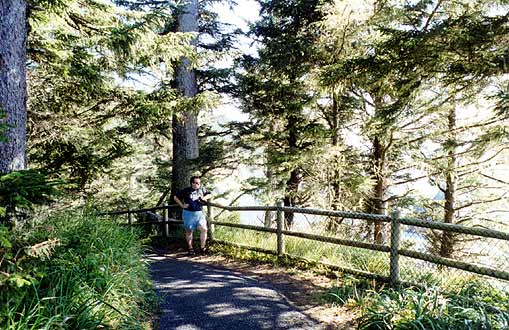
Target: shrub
x: 21, y: 190
x: 90, y: 278
x: 475, y: 306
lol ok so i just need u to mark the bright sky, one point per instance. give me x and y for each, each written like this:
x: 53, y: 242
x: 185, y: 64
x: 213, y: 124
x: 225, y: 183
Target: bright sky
x: 240, y: 16
x: 244, y: 12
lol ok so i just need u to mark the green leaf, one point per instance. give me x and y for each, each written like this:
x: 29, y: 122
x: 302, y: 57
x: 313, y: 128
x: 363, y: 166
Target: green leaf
x: 18, y: 280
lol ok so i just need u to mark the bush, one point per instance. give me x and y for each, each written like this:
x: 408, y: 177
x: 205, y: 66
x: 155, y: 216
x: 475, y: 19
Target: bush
x: 474, y: 306
x: 21, y: 190
x: 352, y: 291
x: 86, y: 274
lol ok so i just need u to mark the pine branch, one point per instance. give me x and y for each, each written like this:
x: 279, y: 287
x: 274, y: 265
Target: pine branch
x: 417, y: 178
x: 404, y: 126
x: 484, y: 161
x: 494, y: 179
x: 462, y: 174
x: 498, y: 222
x: 389, y: 144
x: 237, y: 198
x: 470, y: 188
x: 163, y: 196
x: 430, y: 17
x: 480, y: 202
x: 77, y: 21
x: 497, y: 211
x: 458, y: 129
x: 217, y: 133
x: 392, y: 198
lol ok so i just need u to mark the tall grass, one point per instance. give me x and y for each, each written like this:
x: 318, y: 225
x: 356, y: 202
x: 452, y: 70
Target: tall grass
x: 446, y: 299
x: 349, y: 257
x: 463, y: 308
x: 92, y: 279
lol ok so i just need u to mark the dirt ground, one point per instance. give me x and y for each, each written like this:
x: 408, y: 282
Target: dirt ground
x: 302, y: 288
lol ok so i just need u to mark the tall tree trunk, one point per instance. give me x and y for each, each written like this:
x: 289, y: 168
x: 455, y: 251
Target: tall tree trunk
x: 185, y: 125
x: 377, y: 204
x: 13, y: 83
x: 292, y: 188
x: 269, y: 215
x: 336, y: 184
x: 447, y: 241
x: 293, y: 183
x: 334, y: 222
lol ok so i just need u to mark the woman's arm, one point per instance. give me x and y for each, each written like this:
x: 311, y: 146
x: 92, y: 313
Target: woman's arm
x: 179, y: 202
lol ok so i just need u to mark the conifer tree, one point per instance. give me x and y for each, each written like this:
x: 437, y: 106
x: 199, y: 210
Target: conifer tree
x: 391, y: 60
x: 13, y: 84
x: 90, y: 116
x: 274, y: 91
x: 185, y: 125
x: 465, y: 56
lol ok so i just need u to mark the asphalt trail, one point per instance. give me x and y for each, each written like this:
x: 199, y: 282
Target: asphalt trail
x: 197, y: 296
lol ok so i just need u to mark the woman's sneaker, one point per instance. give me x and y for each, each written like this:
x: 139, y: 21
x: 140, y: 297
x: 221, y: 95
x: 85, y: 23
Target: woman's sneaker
x: 204, y: 250
x: 190, y: 252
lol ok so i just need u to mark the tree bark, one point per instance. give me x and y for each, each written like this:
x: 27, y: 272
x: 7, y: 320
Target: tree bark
x: 336, y: 184
x: 333, y: 224
x: 377, y: 204
x: 185, y: 125
x: 447, y: 241
x: 13, y: 83
x: 293, y: 183
x: 269, y: 215
x: 292, y: 188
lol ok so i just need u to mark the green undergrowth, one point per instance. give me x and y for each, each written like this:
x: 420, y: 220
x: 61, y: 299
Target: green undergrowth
x: 73, y: 271
x: 467, y: 304
x: 348, y: 257
x: 471, y: 305
x: 239, y: 253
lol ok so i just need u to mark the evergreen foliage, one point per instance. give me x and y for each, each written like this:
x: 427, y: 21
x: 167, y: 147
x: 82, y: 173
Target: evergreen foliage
x: 352, y: 105
x: 275, y: 93
x: 20, y: 191
x: 72, y: 271
x: 89, y: 118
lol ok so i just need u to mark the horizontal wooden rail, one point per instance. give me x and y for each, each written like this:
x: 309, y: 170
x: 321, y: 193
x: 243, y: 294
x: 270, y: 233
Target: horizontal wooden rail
x: 394, y: 249
x: 456, y: 228
x: 162, y: 222
x: 339, y: 214
x: 239, y: 225
x: 244, y: 208
x: 333, y: 240
x: 150, y: 209
x: 482, y: 270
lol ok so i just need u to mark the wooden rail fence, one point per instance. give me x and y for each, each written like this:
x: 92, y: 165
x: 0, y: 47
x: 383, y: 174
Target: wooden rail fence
x: 394, y: 249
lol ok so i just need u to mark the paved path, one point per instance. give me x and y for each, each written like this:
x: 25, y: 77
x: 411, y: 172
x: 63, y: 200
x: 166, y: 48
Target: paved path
x: 197, y: 296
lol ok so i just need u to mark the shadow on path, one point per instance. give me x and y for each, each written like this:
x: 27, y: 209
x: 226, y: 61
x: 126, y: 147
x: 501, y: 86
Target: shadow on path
x: 198, y: 296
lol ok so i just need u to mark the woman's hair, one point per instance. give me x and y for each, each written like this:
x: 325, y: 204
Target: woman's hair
x: 193, y: 178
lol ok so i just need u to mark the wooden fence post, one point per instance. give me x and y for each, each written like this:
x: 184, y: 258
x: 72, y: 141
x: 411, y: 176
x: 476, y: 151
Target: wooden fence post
x: 395, y: 240
x: 210, y: 220
x: 129, y: 217
x: 280, y: 238
x: 165, y: 219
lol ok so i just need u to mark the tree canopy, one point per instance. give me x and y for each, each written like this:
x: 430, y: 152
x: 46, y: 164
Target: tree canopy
x: 367, y: 106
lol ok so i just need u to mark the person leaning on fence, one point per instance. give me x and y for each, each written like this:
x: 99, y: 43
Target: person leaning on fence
x: 191, y: 200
